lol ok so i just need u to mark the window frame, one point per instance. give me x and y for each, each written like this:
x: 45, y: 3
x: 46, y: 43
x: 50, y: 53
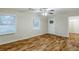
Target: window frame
x: 11, y: 32
x: 37, y: 17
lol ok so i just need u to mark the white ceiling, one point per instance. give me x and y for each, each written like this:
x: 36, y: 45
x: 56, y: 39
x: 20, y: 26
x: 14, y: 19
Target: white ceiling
x: 68, y: 11
x: 65, y: 11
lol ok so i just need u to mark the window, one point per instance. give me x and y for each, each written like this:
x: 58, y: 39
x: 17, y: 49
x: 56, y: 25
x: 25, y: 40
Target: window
x: 7, y: 25
x: 36, y: 23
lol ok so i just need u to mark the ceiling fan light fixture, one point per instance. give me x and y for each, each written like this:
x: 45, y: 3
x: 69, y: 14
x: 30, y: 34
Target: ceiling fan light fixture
x: 45, y: 14
x: 42, y: 11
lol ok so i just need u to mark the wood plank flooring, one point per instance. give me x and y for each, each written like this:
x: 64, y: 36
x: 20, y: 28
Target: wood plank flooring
x: 73, y: 42
x: 46, y: 42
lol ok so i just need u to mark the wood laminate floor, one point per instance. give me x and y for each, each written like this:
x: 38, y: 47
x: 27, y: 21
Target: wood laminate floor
x: 72, y: 42
x: 46, y: 42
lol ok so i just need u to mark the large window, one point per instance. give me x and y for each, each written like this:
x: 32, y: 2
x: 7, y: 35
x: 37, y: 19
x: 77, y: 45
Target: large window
x: 7, y: 25
x: 36, y: 23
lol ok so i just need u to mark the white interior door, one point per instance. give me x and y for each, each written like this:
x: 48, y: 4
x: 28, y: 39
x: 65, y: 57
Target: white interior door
x: 51, y: 25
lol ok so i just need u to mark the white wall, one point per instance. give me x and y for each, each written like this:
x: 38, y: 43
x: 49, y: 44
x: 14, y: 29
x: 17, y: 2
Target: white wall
x: 74, y: 24
x: 60, y: 25
x: 24, y: 26
x: 61, y: 28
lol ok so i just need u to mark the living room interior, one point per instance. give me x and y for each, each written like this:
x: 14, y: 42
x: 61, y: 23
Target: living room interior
x: 39, y: 29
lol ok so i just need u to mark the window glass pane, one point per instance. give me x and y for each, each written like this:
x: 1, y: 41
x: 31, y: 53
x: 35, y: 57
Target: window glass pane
x: 36, y: 23
x: 7, y: 24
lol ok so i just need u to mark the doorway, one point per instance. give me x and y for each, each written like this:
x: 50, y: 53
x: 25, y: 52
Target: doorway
x: 74, y: 27
x: 51, y: 25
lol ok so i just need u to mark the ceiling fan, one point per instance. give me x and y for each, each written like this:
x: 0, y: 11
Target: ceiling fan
x: 43, y: 11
